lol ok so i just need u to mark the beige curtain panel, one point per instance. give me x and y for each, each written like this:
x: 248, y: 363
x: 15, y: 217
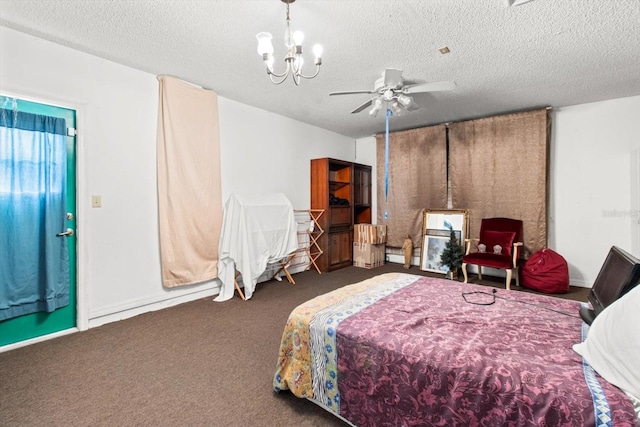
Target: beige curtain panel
x: 417, y: 180
x: 189, y: 190
x: 498, y: 168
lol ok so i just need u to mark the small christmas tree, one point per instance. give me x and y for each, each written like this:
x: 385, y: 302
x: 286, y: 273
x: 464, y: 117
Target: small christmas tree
x: 452, y: 254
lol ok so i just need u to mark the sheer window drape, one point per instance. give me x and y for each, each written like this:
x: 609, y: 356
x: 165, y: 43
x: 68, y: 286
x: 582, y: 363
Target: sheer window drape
x: 417, y: 180
x: 498, y: 168
x: 34, y: 263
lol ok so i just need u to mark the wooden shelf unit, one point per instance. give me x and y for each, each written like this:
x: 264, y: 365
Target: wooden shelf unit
x: 343, y: 190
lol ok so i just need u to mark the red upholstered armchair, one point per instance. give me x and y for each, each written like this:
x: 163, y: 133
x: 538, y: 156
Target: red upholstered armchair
x: 494, y: 232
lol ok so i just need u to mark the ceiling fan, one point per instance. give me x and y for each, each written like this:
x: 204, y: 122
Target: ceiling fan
x: 390, y: 88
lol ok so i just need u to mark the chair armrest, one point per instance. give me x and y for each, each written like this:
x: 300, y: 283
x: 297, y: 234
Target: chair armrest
x: 515, y: 252
x: 467, y: 243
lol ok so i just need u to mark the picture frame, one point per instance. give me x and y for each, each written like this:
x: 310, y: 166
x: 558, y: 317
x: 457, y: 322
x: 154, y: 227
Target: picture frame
x: 445, y: 233
x: 437, y: 226
x: 432, y: 248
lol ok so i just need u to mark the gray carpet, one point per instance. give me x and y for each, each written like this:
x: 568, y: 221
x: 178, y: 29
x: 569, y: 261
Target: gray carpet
x: 198, y: 364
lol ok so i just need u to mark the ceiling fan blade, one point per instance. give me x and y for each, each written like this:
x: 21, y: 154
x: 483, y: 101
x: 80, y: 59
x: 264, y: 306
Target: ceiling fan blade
x: 351, y: 92
x: 362, y: 107
x: 430, y: 87
x: 392, y: 77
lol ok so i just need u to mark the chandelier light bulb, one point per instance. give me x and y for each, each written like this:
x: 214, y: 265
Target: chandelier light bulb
x: 264, y: 44
x: 298, y: 38
x: 317, y: 51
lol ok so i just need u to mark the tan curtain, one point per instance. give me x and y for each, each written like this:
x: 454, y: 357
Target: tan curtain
x: 189, y: 190
x: 498, y: 168
x: 417, y: 180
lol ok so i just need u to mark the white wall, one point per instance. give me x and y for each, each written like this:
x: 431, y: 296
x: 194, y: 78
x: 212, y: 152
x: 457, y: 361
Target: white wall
x: 265, y: 152
x: 590, y: 206
x: 119, y: 267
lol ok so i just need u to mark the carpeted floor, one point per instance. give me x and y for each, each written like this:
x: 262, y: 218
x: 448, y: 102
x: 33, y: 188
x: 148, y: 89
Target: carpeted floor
x: 198, y: 364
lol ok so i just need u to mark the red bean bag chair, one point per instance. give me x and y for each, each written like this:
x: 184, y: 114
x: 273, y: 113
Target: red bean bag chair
x: 545, y: 271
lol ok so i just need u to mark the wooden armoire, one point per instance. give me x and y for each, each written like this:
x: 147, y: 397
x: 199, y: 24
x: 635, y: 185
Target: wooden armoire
x: 343, y: 190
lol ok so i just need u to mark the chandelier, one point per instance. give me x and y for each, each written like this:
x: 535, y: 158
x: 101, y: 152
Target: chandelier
x: 293, y: 58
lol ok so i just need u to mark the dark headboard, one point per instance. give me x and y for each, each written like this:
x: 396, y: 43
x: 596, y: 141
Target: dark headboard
x: 619, y: 273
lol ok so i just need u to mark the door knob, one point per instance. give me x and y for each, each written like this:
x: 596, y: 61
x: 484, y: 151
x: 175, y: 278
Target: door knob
x: 69, y: 232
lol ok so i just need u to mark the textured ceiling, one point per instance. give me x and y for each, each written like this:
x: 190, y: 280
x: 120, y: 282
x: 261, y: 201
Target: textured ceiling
x: 541, y: 53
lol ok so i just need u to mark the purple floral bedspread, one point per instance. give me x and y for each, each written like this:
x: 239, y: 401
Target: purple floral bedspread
x: 424, y: 356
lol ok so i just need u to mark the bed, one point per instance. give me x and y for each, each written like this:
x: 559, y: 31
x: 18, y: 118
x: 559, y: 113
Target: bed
x: 408, y: 350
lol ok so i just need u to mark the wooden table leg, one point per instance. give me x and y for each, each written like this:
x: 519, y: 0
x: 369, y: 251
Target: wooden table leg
x: 235, y: 282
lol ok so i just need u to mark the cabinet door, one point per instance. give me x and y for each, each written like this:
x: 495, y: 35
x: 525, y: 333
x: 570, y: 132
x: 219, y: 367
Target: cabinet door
x: 340, y: 215
x: 334, y: 248
x: 345, y: 248
x: 339, y: 248
x: 362, y: 186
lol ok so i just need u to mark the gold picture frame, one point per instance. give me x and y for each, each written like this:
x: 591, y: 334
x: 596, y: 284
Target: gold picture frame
x: 436, y: 231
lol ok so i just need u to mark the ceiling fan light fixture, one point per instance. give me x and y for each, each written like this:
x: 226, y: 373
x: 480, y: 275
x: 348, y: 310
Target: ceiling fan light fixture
x: 293, y: 59
x: 388, y: 95
x: 397, y: 109
x: 405, y: 100
x: 377, y: 106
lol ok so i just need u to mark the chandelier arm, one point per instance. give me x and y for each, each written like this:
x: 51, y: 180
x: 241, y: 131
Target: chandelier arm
x: 310, y: 77
x: 284, y: 74
x: 293, y: 62
x: 274, y: 74
x: 296, y: 78
x: 282, y: 78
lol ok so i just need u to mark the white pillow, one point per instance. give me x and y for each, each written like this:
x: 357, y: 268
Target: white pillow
x: 612, y: 346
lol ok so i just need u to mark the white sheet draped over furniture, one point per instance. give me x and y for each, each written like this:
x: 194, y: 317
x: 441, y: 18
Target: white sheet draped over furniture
x: 257, y: 230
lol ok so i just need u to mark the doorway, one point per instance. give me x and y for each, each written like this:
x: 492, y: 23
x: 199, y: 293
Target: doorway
x: 35, y: 324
